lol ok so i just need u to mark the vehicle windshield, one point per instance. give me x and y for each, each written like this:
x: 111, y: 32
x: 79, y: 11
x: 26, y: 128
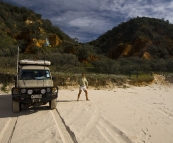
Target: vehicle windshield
x: 34, y: 74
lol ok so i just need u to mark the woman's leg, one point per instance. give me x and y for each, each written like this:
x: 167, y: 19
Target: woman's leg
x: 86, y: 94
x: 79, y: 94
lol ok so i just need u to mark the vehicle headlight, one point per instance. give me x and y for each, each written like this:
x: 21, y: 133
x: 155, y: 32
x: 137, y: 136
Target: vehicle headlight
x: 30, y: 91
x: 43, y: 91
x: 23, y: 90
x: 48, y: 89
x: 54, y: 89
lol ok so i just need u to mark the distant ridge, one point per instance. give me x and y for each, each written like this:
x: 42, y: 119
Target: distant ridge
x: 139, y: 37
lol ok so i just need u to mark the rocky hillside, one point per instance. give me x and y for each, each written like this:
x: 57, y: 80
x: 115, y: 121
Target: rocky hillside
x: 147, y: 38
x: 21, y: 26
x: 140, y: 44
x: 143, y: 37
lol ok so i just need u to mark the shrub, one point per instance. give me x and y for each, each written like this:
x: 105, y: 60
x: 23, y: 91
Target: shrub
x: 106, y: 66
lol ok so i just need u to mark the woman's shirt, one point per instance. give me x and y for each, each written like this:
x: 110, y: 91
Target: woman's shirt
x: 83, y: 82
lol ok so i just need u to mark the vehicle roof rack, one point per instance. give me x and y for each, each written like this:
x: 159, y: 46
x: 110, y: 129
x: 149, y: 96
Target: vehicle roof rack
x: 34, y: 62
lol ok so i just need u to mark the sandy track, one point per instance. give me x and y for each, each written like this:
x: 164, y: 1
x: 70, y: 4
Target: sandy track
x: 88, y: 123
x: 7, y: 130
x: 38, y: 124
x: 66, y: 134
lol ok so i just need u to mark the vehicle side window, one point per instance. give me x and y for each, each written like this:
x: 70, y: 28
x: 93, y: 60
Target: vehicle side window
x: 47, y: 74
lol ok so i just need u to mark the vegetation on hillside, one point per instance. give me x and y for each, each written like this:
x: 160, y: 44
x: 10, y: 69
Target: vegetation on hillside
x: 21, y: 27
x: 140, y: 44
x: 151, y: 35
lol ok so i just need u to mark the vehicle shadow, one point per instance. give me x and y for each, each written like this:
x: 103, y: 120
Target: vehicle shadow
x: 6, y: 107
x: 67, y: 101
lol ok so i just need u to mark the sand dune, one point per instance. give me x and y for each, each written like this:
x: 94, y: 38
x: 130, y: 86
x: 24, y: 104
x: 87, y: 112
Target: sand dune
x: 120, y: 115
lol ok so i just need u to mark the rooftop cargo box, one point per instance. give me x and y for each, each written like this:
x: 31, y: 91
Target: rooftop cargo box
x: 35, y: 62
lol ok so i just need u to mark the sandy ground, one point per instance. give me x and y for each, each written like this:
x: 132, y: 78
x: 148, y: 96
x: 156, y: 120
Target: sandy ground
x: 120, y: 115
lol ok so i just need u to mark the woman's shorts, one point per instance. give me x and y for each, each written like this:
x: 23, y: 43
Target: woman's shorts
x: 82, y: 88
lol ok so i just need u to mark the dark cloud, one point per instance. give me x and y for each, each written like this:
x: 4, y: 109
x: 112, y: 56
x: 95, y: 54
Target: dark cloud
x: 86, y: 20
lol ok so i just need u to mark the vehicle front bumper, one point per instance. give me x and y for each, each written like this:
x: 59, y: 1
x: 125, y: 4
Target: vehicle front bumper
x: 27, y: 98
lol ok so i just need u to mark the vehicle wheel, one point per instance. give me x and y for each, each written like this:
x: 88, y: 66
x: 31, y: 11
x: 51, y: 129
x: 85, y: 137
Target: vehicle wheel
x: 16, y: 107
x: 52, y: 104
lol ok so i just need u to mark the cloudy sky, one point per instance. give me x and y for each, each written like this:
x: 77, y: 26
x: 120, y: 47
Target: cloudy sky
x: 88, y: 19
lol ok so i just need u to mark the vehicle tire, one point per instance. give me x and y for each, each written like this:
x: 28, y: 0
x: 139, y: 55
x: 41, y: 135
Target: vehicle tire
x: 16, y: 107
x: 52, y: 104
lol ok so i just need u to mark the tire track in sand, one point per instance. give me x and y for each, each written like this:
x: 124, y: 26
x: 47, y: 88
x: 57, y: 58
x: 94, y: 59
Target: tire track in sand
x: 7, y: 132
x: 111, y: 132
x: 40, y: 126
x: 89, y: 124
x: 65, y: 132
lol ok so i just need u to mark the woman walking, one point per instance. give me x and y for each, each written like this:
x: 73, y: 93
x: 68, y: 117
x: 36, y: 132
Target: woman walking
x: 83, y: 85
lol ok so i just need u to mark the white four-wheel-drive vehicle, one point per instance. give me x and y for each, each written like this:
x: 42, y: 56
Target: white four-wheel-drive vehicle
x: 34, y: 85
